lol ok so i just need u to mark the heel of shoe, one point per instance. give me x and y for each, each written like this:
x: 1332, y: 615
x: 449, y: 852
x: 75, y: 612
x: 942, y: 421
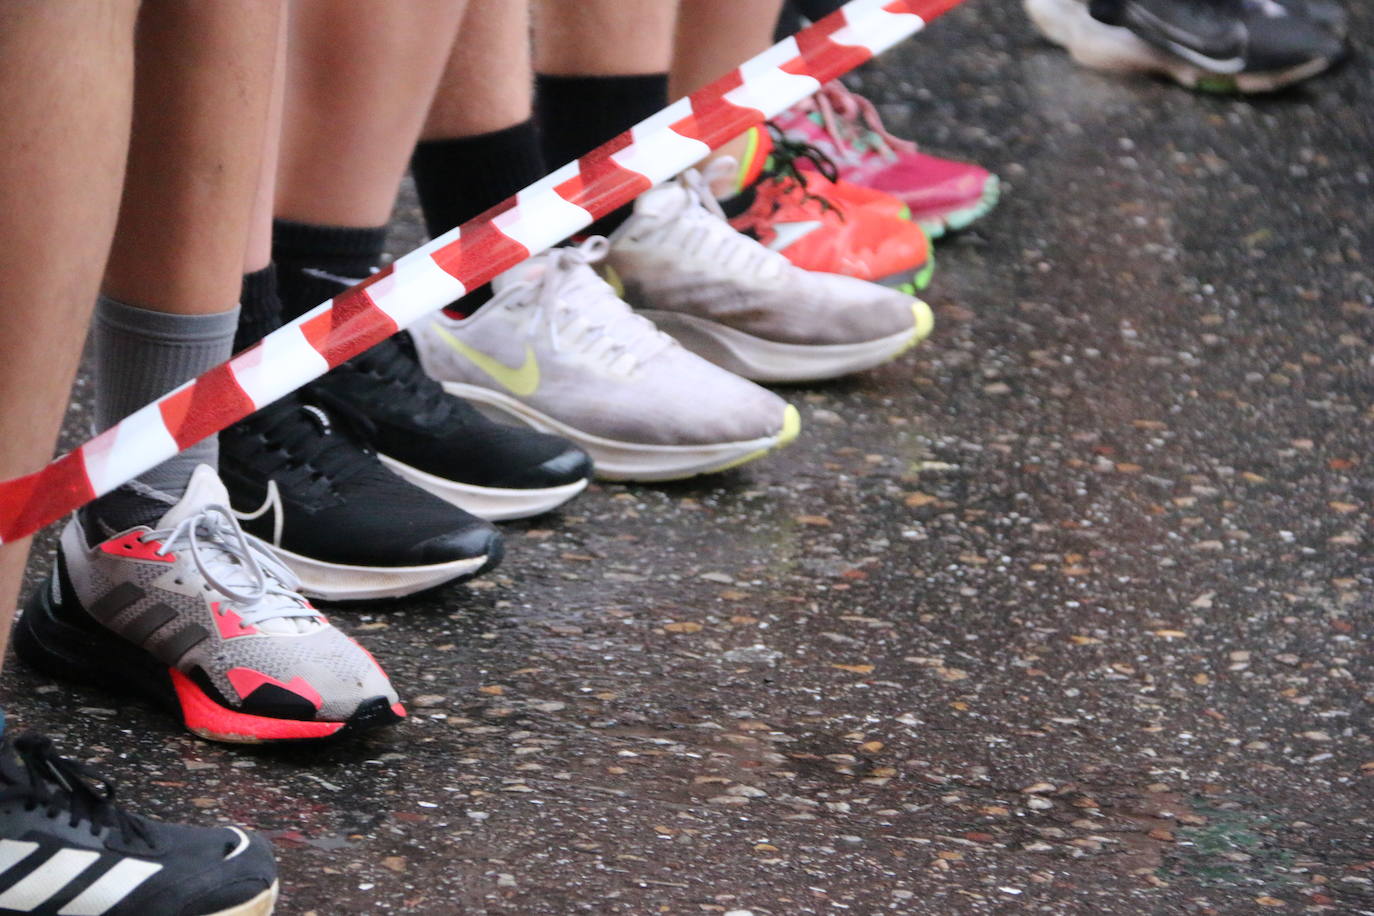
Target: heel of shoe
x: 60, y: 640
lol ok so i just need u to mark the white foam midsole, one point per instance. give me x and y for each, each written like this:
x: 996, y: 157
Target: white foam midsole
x: 495, y: 504
x: 1108, y: 47
x: 762, y: 360
x: 342, y: 582
x: 615, y: 459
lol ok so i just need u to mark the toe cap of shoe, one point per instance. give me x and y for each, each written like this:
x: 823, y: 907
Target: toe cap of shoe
x: 569, y: 466
x: 479, y: 539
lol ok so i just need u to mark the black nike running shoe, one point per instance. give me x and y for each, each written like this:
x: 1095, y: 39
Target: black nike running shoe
x: 65, y: 848
x: 433, y: 439
x: 348, y: 527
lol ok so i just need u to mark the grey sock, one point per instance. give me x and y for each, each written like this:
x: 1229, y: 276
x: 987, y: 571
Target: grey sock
x: 140, y: 355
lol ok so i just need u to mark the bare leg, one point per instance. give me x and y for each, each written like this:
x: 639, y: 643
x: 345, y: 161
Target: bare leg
x: 66, y: 83
x: 604, y: 37
x: 260, y: 224
x: 486, y: 84
x: 203, y: 85
x: 714, y: 37
x: 360, y: 81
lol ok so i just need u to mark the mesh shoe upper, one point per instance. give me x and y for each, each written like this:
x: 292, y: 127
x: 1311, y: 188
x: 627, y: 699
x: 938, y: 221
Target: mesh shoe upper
x: 411, y: 418
x: 405, y: 415
x: 557, y: 337
x: 303, y: 483
x: 118, y: 864
x: 677, y: 253
x: 847, y: 128
x: 203, y: 597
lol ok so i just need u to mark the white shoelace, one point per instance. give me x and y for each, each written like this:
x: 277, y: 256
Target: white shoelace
x: 236, y: 565
x: 697, y: 225
x: 576, y: 309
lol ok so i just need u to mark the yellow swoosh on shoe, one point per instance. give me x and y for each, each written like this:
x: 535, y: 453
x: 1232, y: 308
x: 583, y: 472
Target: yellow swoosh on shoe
x: 521, y: 381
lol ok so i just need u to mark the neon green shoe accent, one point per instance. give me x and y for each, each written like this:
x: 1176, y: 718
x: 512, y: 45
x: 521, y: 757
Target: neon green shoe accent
x: 1218, y: 83
x: 957, y: 220
x: 791, y: 427
x: 922, y: 278
x: 925, y: 320
x: 611, y: 276
x: 521, y: 381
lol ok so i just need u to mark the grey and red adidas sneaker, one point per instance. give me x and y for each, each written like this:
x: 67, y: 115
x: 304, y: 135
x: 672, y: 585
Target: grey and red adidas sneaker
x: 196, y: 614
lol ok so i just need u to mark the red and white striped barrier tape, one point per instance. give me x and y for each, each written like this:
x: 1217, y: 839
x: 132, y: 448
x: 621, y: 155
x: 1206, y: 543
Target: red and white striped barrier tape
x: 464, y: 258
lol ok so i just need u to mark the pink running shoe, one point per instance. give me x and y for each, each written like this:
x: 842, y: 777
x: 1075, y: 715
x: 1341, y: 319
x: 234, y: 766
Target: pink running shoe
x: 943, y: 194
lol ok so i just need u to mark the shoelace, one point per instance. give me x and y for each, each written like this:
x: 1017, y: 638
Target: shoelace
x: 699, y: 226
x: 853, y: 122
x: 310, y: 451
x: 44, y: 780
x: 782, y: 165
x: 576, y: 308
x: 392, y: 362
x: 215, y: 539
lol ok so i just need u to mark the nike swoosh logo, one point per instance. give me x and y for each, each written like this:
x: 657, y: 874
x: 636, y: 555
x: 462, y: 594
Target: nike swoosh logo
x: 271, y: 504
x: 521, y: 381
x: 332, y: 278
x: 787, y: 233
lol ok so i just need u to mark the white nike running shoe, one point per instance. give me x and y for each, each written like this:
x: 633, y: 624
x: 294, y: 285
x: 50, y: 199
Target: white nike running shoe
x: 746, y: 308
x: 557, y: 350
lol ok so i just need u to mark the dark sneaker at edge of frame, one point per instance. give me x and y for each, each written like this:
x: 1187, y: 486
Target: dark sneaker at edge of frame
x: 201, y: 618
x: 66, y: 849
x: 349, y: 528
x: 433, y: 439
x: 1212, y: 45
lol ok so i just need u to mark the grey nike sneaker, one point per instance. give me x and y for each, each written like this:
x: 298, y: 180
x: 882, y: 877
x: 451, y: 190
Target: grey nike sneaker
x: 201, y: 618
x: 556, y: 349
x: 745, y: 307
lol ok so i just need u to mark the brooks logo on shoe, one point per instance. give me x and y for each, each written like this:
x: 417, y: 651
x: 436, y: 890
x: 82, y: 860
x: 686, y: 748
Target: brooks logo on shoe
x: 521, y: 381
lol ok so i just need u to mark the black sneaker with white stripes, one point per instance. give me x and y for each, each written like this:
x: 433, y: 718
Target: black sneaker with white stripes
x: 67, y: 850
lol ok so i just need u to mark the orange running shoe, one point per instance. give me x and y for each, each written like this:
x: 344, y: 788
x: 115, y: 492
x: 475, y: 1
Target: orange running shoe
x: 759, y: 159
x: 820, y: 225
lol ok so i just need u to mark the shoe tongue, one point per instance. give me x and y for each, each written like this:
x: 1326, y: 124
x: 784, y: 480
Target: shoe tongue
x: 665, y: 200
x: 525, y: 272
x: 204, y: 488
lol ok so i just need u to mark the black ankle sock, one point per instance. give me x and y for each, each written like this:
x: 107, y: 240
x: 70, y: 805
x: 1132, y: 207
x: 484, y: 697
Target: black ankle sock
x: 460, y: 178
x: 303, y: 251
x: 463, y: 177
x: 579, y: 113
x: 789, y: 21
x: 259, y: 307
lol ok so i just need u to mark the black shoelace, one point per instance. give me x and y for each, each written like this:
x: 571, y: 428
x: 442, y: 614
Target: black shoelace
x: 46, y: 781
x: 783, y: 161
x: 305, y: 451
x: 405, y: 385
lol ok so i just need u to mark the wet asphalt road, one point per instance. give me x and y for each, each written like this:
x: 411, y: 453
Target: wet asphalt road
x: 1066, y: 612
